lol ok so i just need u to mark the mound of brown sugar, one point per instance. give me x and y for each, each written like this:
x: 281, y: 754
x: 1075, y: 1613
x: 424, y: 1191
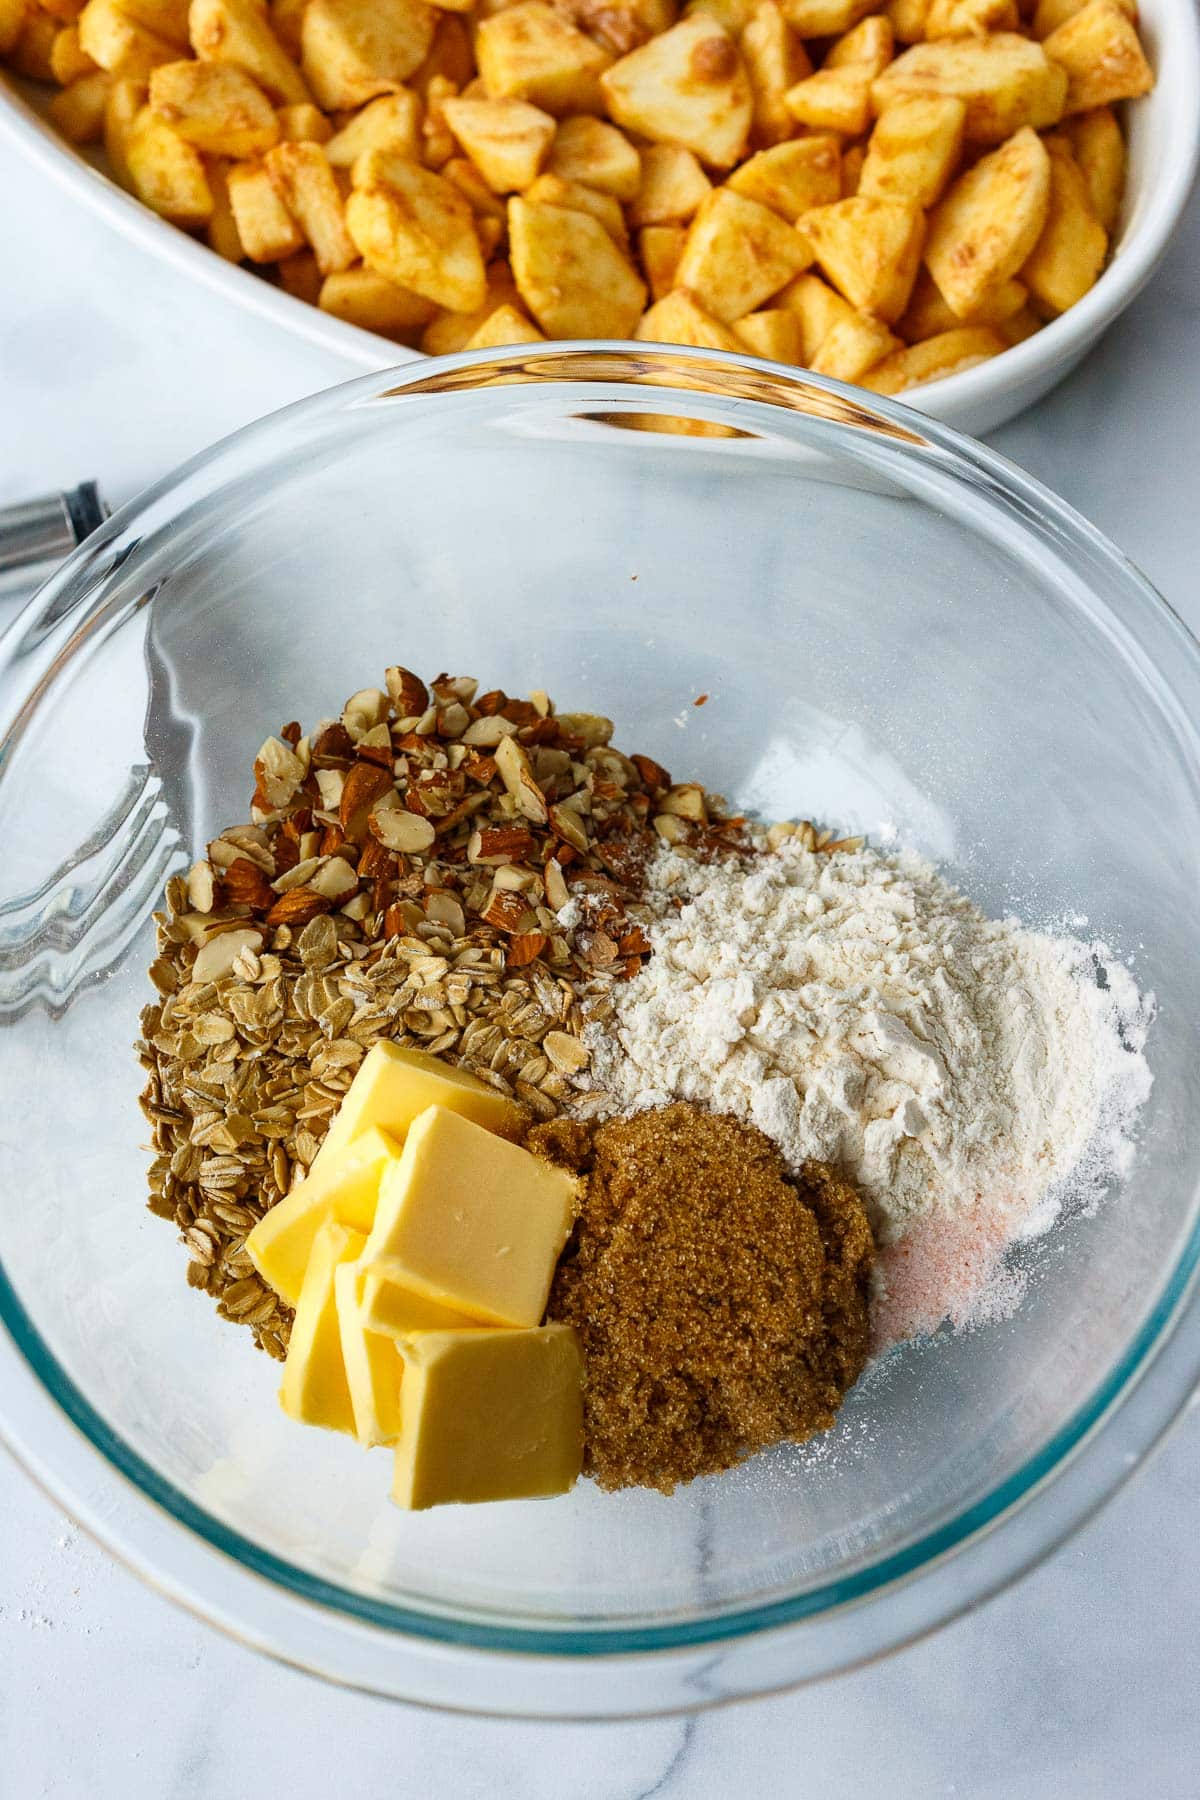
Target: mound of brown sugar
x: 721, y: 1304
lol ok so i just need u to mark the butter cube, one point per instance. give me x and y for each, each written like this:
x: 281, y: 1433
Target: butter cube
x: 373, y: 1365
x: 489, y: 1415
x: 394, y: 1085
x: 345, y: 1187
x: 397, y: 1312
x: 315, y: 1388
x: 470, y: 1221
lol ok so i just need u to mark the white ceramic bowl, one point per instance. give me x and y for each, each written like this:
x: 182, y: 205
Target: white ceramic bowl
x: 1164, y: 143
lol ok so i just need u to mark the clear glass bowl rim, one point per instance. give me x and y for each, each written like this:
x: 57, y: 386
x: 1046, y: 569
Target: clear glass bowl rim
x: 1166, y: 1350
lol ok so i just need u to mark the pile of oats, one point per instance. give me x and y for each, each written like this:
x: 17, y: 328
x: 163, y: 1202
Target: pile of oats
x: 402, y: 876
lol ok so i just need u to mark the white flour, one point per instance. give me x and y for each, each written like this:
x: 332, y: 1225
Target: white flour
x: 860, y: 1010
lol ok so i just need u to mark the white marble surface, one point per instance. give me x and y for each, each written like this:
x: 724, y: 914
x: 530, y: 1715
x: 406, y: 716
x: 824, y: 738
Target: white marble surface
x: 1080, y: 1684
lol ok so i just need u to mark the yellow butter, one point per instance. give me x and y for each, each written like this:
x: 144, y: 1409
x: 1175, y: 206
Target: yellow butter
x: 394, y: 1085
x: 470, y: 1221
x: 489, y: 1415
x: 315, y: 1388
x: 346, y: 1188
x: 397, y: 1311
x: 373, y: 1365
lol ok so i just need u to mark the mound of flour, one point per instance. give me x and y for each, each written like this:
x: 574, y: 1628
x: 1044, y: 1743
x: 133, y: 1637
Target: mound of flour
x: 968, y: 1073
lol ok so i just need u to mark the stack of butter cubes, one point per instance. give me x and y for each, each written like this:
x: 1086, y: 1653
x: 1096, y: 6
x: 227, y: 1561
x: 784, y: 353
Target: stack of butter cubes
x: 418, y: 1254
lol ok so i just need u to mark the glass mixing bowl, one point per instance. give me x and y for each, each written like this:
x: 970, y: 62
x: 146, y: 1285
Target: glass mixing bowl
x: 898, y: 632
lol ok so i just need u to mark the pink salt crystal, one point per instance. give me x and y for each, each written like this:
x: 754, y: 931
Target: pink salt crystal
x: 947, y: 1267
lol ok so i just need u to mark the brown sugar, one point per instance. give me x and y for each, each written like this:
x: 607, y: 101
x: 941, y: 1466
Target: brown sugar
x: 721, y: 1304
